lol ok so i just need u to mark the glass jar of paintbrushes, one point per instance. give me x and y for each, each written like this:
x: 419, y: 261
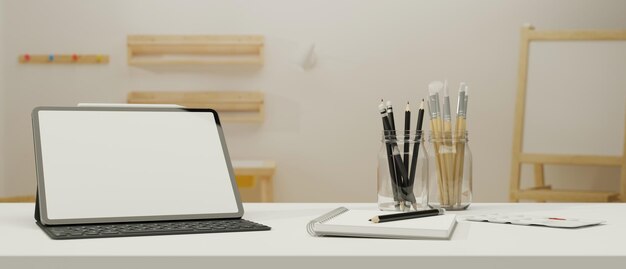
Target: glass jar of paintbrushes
x: 450, y: 159
x: 450, y: 178
x: 402, y: 172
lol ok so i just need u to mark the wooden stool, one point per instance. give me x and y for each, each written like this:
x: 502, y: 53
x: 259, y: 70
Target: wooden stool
x: 254, y: 179
x: 18, y: 199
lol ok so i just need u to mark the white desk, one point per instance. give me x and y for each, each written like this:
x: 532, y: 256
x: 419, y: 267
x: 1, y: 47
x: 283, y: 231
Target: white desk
x: 287, y: 245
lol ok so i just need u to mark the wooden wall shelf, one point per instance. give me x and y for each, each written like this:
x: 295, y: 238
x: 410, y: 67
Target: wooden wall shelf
x: 231, y: 106
x: 63, y: 59
x: 195, y: 49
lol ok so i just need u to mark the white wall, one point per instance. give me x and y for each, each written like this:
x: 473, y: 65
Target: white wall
x: 322, y: 126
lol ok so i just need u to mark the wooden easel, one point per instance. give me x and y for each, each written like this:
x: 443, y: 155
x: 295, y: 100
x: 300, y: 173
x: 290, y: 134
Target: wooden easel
x: 541, y: 192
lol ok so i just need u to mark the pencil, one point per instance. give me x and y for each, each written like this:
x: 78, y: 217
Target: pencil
x: 418, y: 139
x: 393, y: 137
x: 408, y: 215
x: 392, y: 122
x: 407, y: 137
x: 392, y: 173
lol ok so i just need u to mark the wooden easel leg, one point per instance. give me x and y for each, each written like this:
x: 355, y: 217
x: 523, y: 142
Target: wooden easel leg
x: 622, y: 196
x: 539, y: 178
x: 622, y: 192
x: 516, y: 171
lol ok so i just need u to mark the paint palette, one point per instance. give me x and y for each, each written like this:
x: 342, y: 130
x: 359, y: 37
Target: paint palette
x: 520, y: 219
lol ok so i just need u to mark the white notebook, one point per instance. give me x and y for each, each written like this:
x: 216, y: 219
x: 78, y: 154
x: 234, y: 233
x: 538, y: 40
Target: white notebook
x: 355, y: 223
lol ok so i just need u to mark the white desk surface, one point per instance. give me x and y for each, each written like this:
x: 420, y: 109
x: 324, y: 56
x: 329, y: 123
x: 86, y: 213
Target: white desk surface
x: 23, y: 244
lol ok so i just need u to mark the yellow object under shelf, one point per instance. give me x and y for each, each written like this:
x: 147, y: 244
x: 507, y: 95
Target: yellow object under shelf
x: 254, y: 179
x: 245, y: 181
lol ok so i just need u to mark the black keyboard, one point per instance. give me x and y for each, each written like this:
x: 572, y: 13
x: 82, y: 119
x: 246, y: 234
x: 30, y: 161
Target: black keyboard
x: 151, y: 228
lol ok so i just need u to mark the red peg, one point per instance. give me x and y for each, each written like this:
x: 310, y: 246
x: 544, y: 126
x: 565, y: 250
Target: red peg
x: 74, y: 57
x: 27, y: 57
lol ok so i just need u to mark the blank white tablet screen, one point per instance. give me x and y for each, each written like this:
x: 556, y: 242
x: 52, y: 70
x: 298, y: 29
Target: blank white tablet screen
x: 101, y: 164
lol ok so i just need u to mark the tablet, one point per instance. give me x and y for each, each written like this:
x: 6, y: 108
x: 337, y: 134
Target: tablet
x: 120, y: 164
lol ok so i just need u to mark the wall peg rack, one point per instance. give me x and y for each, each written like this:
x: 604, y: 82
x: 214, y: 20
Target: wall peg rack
x: 63, y: 58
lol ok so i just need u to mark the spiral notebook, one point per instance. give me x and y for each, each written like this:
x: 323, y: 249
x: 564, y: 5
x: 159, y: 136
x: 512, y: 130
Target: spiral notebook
x: 355, y: 223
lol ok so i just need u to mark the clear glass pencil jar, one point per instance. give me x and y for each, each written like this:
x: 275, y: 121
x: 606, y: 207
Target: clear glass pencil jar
x: 402, y: 172
x: 450, y: 166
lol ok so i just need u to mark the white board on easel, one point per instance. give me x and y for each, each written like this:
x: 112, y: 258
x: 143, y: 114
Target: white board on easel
x: 575, y: 98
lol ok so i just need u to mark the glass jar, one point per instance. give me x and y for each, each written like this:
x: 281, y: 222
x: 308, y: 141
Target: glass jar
x: 450, y: 166
x: 402, y: 172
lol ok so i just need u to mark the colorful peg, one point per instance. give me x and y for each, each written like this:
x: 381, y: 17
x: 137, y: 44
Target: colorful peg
x: 98, y: 58
x: 51, y: 58
x: 27, y: 57
x: 75, y: 57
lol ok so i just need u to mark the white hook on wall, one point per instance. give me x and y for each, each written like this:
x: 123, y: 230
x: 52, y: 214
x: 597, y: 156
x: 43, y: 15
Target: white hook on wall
x: 305, y: 56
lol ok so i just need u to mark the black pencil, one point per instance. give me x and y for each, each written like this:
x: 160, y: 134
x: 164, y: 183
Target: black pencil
x: 393, y: 137
x: 408, y: 215
x: 416, y: 145
x: 390, y: 116
x: 386, y: 136
x: 407, y: 136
